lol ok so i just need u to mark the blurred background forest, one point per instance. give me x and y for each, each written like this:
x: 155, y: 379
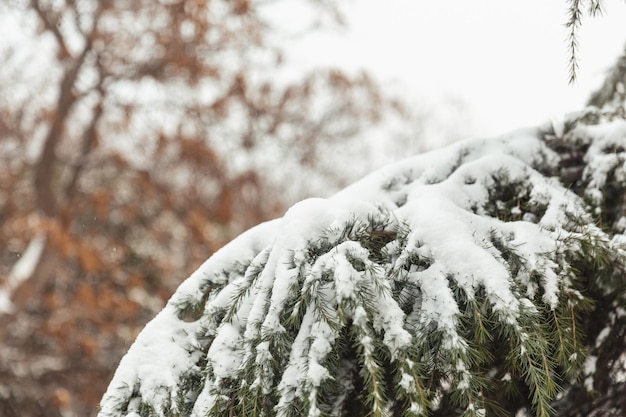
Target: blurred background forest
x: 136, y: 138
x: 139, y: 136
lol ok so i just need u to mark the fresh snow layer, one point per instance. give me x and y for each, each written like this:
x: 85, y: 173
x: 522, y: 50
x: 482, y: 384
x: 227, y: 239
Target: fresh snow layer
x: 449, y: 226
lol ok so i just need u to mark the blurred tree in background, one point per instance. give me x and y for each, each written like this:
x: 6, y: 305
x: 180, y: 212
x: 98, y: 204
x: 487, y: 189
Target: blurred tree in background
x: 612, y: 92
x: 136, y: 137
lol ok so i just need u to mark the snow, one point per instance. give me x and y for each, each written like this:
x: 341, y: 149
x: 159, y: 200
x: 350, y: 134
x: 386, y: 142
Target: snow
x: 618, y: 373
x: 22, y: 270
x: 589, y: 369
x: 225, y: 354
x: 445, y: 214
x: 602, y: 157
x: 289, y: 385
x: 165, y: 354
x: 604, y: 333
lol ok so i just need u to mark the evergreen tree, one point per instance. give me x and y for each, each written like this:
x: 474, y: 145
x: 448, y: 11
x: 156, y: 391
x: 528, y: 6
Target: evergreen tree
x: 485, y: 278
x: 612, y: 92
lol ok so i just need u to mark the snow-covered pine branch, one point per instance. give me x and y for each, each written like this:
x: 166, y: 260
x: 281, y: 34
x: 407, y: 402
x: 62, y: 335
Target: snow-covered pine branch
x: 431, y: 287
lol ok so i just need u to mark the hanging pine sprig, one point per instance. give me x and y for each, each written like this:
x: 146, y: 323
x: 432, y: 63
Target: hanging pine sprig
x: 575, y: 14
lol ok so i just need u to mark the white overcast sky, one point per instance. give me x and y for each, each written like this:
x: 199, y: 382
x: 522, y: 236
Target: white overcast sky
x: 506, y: 59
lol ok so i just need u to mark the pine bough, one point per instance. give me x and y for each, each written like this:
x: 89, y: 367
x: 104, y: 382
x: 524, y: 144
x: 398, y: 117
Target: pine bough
x: 451, y: 283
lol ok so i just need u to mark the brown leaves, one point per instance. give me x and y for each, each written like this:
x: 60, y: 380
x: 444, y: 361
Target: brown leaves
x: 240, y: 7
x: 89, y: 259
x: 195, y: 151
x: 101, y: 200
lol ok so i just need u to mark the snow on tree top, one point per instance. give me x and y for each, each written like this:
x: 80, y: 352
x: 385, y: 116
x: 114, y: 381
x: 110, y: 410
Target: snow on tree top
x: 389, y: 297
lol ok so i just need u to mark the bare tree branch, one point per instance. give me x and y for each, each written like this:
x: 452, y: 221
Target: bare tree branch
x: 51, y: 26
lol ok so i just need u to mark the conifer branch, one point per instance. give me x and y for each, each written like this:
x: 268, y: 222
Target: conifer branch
x: 385, y: 316
x: 574, y: 20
